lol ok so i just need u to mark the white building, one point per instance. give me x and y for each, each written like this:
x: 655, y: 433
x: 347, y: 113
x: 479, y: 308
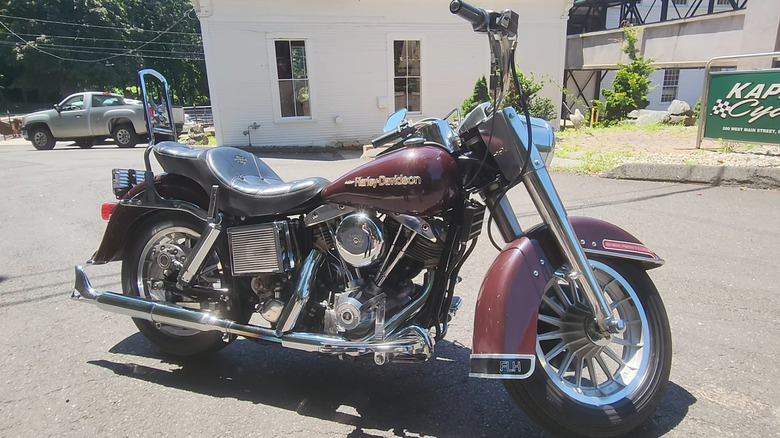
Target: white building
x: 316, y: 73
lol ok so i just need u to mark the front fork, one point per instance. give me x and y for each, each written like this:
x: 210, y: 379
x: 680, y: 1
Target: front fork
x: 540, y: 187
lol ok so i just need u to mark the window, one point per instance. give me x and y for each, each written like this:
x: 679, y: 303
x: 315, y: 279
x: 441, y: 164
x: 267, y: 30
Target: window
x: 72, y: 104
x: 723, y: 2
x: 680, y: 2
x: 293, y: 78
x: 407, y: 80
x: 671, y: 81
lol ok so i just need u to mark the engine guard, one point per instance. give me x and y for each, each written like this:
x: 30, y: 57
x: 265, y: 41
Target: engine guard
x: 504, y: 344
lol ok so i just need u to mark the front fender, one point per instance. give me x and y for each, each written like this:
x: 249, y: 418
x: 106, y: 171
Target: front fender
x: 504, y: 343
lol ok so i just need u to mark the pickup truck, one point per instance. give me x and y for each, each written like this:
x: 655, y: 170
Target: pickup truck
x: 89, y: 117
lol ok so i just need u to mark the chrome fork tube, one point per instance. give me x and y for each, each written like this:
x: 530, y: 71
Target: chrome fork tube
x: 547, y: 201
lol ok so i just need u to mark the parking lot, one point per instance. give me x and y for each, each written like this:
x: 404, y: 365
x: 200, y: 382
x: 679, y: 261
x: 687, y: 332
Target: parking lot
x: 69, y: 369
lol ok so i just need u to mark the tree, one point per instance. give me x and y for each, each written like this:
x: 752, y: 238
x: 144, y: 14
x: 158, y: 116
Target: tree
x: 55, y: 47
x: 541, y: 107
x: 630, y: 86
x: 479, y: 95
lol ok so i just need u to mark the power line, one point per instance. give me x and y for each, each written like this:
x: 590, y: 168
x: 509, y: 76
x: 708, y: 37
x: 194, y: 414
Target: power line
x: 78, y: 38
x: 116, y: 55
x: 97, y: 26
x: 129, y: 52
x: 100, y: 50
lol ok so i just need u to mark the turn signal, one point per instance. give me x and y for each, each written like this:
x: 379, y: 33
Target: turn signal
x: 106, y: 209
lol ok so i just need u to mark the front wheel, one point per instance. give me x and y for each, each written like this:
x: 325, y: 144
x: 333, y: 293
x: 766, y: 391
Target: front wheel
x: 589, y: 384
x: 149, y: 271
x: 41, y: 138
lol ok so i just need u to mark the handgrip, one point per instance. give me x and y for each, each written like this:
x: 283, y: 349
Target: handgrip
x: 386, y: 138
x: 478, y: 17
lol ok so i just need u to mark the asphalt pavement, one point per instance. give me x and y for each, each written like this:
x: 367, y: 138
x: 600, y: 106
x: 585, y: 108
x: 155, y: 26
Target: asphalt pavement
x: 71, y: 369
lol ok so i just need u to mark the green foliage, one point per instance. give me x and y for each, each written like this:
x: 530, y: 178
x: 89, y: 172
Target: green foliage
x: 98, y: 45
x: 540, y: 107
x: 479, y: 95
x: 630, y: 86
x: 697, y: 109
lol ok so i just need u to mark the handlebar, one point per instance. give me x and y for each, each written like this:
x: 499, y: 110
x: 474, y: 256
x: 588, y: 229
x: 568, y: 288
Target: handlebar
x: 478, y: 17
x: 391, y: 136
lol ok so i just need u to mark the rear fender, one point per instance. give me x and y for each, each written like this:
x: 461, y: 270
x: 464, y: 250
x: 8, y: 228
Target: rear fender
x: 126, y: 215
x: 504, y: 344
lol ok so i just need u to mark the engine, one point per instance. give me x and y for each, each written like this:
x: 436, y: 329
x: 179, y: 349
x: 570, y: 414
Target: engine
x: 370, y: 263
x: 373, y: 260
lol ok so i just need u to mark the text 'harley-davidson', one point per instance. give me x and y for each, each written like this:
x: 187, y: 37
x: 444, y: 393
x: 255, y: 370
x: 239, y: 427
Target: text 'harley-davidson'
x: 366, y: 266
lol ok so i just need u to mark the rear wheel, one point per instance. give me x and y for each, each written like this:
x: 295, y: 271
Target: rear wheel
x: 125, y: 136
x: 149, y: 271
x: 589, y: 384
x: 41, y: 138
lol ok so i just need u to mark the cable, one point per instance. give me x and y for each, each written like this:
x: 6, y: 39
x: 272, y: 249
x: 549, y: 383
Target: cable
x: 97, y: 26
x: 127, y: 53
x: 78, y: 38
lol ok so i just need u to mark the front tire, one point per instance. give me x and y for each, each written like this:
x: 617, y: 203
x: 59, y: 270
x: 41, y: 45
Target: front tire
x: 588, y: 385
x: 42, y: 139
x: 125, y: 136
x: 144, y: 272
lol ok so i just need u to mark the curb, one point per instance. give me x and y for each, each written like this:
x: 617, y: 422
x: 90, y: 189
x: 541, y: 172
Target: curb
x: 754, y: 177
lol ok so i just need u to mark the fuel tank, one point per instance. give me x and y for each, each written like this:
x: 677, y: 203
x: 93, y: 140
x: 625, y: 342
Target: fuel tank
x: 418, y: 181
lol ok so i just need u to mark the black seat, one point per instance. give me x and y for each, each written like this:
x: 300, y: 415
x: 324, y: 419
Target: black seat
x: 248, y: 186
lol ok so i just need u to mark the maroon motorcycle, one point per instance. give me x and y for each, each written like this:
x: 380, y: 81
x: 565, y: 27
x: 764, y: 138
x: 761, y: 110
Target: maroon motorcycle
x: 366, y: 266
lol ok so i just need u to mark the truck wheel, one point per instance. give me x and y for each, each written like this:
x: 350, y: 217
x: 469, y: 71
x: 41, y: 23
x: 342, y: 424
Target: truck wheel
x: 42, y: 139
x: 125, y: 136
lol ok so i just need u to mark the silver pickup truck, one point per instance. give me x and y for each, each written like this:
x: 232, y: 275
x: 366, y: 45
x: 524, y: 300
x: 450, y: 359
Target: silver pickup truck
x: 87, y: 118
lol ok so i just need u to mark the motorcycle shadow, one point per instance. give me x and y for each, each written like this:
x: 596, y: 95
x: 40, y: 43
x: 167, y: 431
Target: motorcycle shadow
x: 432, y: 398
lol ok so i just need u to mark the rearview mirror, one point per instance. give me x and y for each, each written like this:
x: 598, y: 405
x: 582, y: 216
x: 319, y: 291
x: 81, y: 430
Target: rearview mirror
x: 395, y: 119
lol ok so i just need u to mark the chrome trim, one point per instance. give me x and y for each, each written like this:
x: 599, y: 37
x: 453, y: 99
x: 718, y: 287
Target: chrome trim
x: 419, y: 226
x: 302, y: 291
x: 547, y: 201
x: 529, y: 357
x: 326, y: 212
x: 658, y: 261
x: 199, y: 253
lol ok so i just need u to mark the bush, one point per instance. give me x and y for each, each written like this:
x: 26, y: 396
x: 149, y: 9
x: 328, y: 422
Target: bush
x: 541, y: 107
x: 479, y: 95
x: 630, y: 86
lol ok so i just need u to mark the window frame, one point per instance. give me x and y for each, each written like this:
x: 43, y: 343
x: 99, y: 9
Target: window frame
x: 391, y: 39
x: 670, y: 80
x: 271, y: 40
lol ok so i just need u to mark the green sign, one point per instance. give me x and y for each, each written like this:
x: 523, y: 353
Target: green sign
x: 744, y: 106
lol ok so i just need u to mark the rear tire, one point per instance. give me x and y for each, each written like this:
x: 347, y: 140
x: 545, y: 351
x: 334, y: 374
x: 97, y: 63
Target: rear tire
x: 585, y: 386
x: 143, y: 272
x: 42, y: 139
x: 125, y: 136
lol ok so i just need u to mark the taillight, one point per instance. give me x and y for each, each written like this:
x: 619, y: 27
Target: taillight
x: 106, y: 209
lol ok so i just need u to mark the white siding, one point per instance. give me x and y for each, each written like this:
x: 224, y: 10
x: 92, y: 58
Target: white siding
x: 688, y: 90
x: 349, y: 57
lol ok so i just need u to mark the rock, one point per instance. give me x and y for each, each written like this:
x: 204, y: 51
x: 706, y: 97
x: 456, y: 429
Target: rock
x: 690, y: 121
x: 633, y: 114
x: 210, y: 131
x: 677, y: 120
x: 577, y: 118
x: 680, y: 108
x: 648, y: 117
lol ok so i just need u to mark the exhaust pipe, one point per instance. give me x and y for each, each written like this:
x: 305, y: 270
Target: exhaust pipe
x: 410, y: 342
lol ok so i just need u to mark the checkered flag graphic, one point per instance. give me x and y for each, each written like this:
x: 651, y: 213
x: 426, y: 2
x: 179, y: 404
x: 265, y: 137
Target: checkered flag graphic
x: 721, y: 108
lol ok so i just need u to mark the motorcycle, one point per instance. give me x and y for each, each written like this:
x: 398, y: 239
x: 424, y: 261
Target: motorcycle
x: 366, y: 266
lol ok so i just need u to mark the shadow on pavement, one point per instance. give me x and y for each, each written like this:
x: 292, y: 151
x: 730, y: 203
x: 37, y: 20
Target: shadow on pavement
x: 431, y: 398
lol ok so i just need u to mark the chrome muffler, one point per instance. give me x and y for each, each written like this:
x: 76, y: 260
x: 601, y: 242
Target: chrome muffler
x: 409, y: 343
